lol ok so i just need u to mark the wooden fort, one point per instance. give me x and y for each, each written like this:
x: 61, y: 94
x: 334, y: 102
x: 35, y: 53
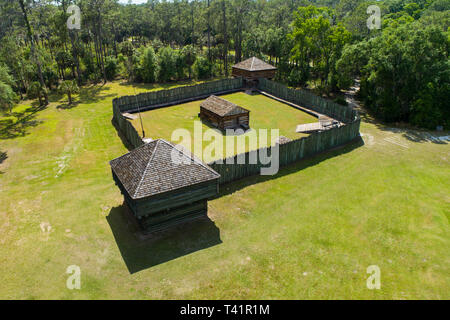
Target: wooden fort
x: 224, y: 114
x: 253, y: 69
x: 164, y: 184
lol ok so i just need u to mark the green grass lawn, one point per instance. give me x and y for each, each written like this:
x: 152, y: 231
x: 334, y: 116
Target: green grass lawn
x: 309, y: 232
x: 265, y: 113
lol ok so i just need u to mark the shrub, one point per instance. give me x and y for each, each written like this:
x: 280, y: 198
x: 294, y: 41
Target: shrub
x: 167, y: 59
x: 202, y: 68
x: 149, y: 65
x: 341, y: 100
x: 295, y: 78
x: 110, y: 67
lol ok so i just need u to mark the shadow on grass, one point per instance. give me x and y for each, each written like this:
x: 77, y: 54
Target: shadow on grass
x: 420, y: 136
x: 94, y: 94
x: 410, y: 133
x: 165, y: 85
x: 162, y: 247
x: 25, y: 119
x: 91, y: 94
x: 192, y: 236
x: 122, y: 137
x: 234, y: 186
x: 3, y: 157
x: 67, y: 106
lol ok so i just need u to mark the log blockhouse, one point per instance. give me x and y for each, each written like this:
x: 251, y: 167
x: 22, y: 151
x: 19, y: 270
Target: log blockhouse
x: 223, y: 114
x: 253, y: 69
x: 164, y: 184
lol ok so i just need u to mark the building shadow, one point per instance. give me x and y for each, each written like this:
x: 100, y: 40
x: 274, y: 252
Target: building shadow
x: 142, y: 252
x: 127, y: 144
x: 233, y: 186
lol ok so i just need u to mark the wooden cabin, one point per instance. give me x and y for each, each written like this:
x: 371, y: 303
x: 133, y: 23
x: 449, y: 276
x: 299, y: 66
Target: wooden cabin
x: 224, y: 114
x: 164, y: 185
x: 252, y: 69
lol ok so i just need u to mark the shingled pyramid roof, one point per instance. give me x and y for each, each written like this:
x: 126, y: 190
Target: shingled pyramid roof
x: 222, y: 107
x: 149, y: 169
x: 254, y: 64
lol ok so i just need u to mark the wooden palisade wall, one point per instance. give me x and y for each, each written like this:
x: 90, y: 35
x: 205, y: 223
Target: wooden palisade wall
x: 289, y: 152
x: 297, y: 149
x: 156, y: 99
x: 126, y: 128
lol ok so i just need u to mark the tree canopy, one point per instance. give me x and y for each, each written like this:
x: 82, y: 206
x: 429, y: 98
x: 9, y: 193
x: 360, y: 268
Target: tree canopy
x: 320, y: 44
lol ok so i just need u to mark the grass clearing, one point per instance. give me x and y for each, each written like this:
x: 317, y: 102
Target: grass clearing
x: 309, y: 232
x: 265, y: 113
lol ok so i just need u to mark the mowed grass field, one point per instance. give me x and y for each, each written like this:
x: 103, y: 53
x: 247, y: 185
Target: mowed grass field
x: 309, y: 232
x: 265, y: 113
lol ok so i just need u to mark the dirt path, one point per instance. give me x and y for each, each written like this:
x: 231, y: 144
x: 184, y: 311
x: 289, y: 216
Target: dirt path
x: 350, y: 96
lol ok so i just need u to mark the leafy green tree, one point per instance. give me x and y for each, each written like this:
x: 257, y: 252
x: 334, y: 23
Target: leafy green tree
x: 189, y: 55
x: 253, y: 43
x: 167, y: 64
x: 127, y: 49
x: 8, y: 98
x: 7, y: 95
x: 64, y: 60
x: 317, y: 42
x: 351, y: 64
x: 425, y: 112
x: 110, y: 67
x: 149, y: 65
x: 33, y: 49
x: 12, y: 55
x: 35, y: 90
x: 5, y: 77
x: 180, y: 66
x: 69, y: 87
x: 202, y: 68
x: 405, y: 73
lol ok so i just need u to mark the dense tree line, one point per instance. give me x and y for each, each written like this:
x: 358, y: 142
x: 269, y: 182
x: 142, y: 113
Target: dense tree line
x: 323, y: 44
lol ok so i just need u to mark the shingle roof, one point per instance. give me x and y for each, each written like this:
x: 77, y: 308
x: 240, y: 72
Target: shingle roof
x: 222, y: 107
x: 254, y: 64
x: 149, y: 169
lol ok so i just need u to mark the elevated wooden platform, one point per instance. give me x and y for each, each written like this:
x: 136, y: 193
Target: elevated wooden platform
x: 322, y: 125
x: 309, y: 127
x: 129, y: 116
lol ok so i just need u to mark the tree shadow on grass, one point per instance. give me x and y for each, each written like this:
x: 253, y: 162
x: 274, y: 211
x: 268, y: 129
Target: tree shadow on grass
x: 410, y: 133
x: 91, y: 94
x: 94, y: 94
x: 162, y: 86
x: 161, y: 247
x: 3, y: 157
x: 67, y: 106
x: 25, y: 119
x: 231, y: 187
x: 421, y: 136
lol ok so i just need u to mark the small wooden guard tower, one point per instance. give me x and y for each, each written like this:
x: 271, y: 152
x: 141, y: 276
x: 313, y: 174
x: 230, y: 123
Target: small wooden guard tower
x: 252, y: 69
x: 224, y: 114
x: 164, y: 185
